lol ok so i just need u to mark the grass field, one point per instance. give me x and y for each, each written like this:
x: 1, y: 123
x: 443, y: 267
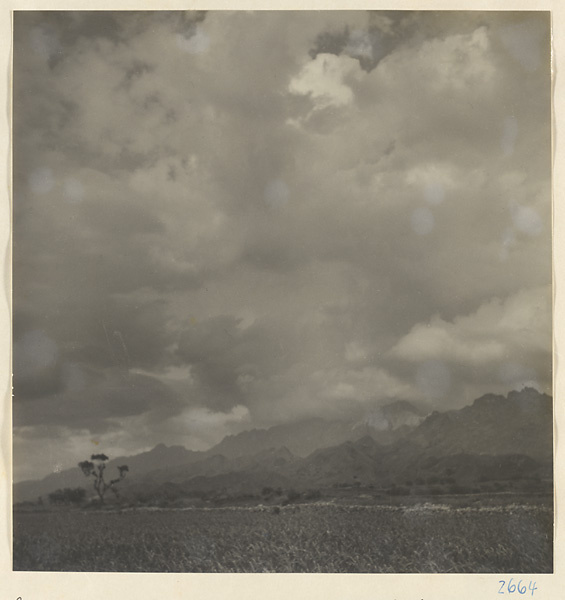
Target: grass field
x: 320, y: 537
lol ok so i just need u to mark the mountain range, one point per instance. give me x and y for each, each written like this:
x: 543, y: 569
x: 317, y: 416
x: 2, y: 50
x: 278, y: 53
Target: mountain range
x: 494, y: 438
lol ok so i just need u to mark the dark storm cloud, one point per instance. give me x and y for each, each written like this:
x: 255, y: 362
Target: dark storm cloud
x: 369, y: 45
x: 97, y: 401
x: 51, y: 32
x: 121, y: 333
x: 37, y: 367
x: 66, y: 27
x: 224, y: 356
x: 330, y: 42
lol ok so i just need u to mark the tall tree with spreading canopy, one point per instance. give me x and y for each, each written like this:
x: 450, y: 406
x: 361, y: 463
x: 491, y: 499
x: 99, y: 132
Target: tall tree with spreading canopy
x: 95, y: 467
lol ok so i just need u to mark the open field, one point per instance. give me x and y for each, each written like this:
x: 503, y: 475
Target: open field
x: 321, y: 537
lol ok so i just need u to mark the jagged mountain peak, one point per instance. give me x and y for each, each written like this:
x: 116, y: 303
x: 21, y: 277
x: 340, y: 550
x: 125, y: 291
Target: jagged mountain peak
x: 488, y: 400
x: 392, y: 416
x: 300, y: 438
x: 527, y: 395
x: 492, y: 424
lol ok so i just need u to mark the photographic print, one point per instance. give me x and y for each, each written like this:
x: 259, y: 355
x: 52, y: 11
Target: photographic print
x: 282, y: 292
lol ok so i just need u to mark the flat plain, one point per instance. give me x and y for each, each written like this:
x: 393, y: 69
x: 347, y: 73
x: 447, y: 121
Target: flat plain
x: 446, y: 536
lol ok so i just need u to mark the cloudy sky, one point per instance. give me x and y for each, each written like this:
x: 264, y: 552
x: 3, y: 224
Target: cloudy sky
x: 232, y: 220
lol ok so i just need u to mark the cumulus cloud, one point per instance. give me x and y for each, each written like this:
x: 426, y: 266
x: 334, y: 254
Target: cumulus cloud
x: 324, y: 80
x: 508, y: 340
x: 485, y: 335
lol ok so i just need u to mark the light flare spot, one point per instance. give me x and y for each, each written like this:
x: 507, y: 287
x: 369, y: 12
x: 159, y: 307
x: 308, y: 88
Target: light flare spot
x: 433, y: 379
x: 517, y: 376
x: 434, y: 193
x: 523, y: 42
x: 74, y: 190
x: 422, y: 221
x: 509, y: 135
x: 198, y: 43
x: 277, y: 194
x: 41, y: 181
x: 34, y: 353
x: 44, y: 41
x: 527, y: 220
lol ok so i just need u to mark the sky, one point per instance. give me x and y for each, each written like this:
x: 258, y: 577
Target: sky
x: 230, y: 220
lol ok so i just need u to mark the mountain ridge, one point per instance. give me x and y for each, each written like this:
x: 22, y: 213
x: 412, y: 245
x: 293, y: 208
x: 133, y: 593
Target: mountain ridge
x: 520, y: 424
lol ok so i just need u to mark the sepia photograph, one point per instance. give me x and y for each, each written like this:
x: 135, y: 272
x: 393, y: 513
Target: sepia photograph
x: 282, y: 292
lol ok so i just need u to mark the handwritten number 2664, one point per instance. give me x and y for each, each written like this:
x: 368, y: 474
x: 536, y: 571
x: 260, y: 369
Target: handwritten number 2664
x: 517, y: 587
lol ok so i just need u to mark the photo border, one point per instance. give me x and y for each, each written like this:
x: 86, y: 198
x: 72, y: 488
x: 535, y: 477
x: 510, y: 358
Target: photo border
x: 141, y: 586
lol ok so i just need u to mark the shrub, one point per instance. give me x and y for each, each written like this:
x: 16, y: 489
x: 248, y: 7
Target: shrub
x: 67, y: 496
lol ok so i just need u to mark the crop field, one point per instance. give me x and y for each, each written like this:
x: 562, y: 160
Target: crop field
x: 316, y: 538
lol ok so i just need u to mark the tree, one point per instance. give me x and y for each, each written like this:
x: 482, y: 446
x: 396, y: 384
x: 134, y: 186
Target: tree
x: 95, y: 467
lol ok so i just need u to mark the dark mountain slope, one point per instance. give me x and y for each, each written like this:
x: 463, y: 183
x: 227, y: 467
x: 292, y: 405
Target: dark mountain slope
x: 350, y: 462
x: 522, y: 423
x: 301, y: 438
x: 272, y: 459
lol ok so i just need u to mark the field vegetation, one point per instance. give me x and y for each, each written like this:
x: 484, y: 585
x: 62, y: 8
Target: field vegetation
x: 341, y: 534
